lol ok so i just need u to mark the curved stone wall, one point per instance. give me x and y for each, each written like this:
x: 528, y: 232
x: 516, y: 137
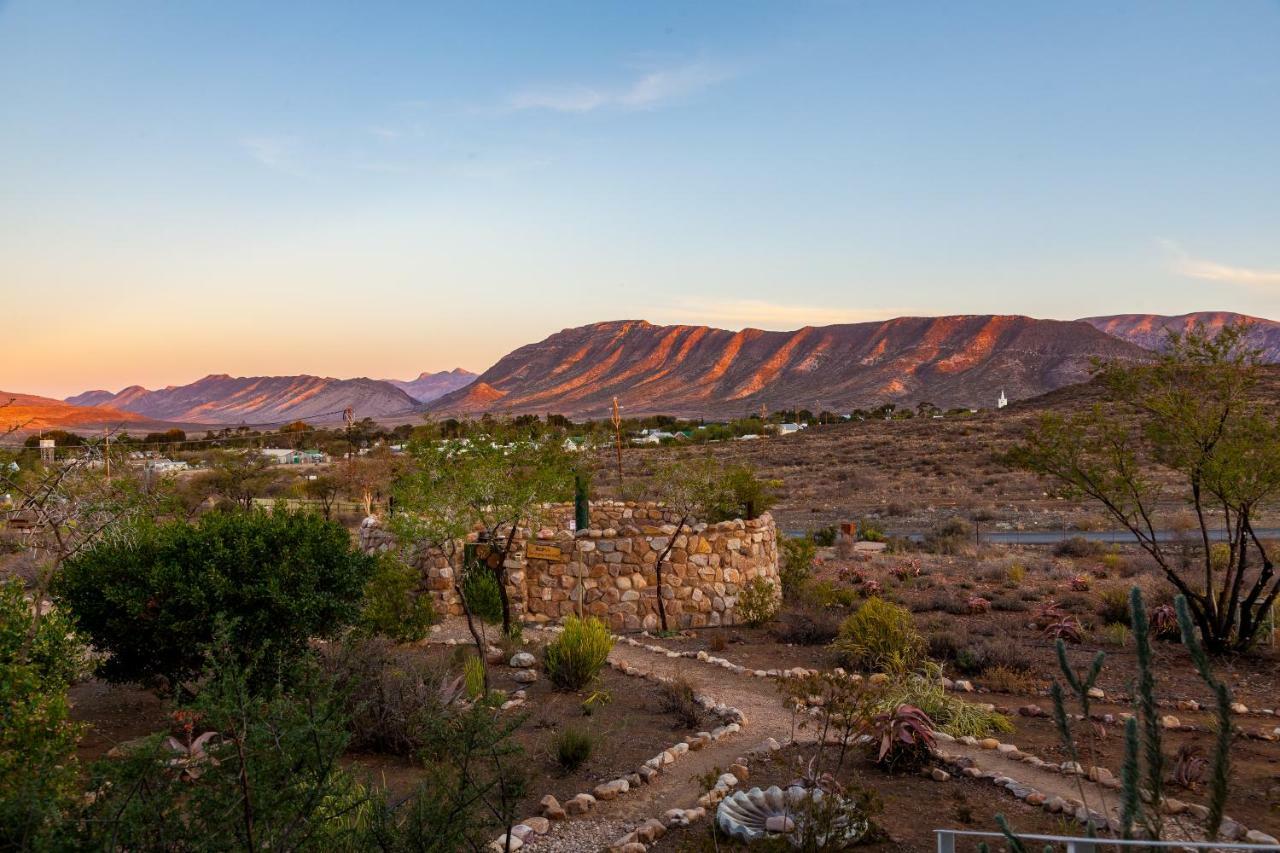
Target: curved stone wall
x: 610, y: 570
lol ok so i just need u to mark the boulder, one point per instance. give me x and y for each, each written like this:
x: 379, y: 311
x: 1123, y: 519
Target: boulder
x: 522, y: 660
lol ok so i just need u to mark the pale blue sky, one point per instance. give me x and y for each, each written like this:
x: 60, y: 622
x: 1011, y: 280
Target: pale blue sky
x: 379, y: 189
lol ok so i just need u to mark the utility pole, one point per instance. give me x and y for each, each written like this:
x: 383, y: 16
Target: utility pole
x: 106, y: 451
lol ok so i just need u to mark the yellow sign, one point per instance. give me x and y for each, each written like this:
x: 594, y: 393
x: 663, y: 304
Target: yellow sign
x: 534, y: 551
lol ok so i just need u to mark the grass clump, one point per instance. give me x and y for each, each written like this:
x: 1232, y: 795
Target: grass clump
x: 573, y: 747
x: 679, y: 698
x: 880, y: 636
x: 951, y: 714
x: 575, y: 658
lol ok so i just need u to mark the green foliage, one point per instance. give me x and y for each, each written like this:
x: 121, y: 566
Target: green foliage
x: 795, y: 558
x: 38, y: 771
x: 825, y: 593
x: 394, y: 604
x: 744, y: 495
x: 153, y: 600
x: 1113, y: 607
x: 1016, y: 574
x: 880, y: 636
x: 573, y: 747
x: 473, y: 676
x: 574, y: 659
x: 269, y: 778
x: 924, y: 690
x: 823, y: 536
x: 482, y: 593
x: 757, y: 602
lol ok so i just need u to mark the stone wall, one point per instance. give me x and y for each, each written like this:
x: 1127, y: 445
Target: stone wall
x: 610, y: 570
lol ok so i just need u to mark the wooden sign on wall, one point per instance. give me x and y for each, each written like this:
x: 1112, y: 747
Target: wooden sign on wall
x: 534, y: 551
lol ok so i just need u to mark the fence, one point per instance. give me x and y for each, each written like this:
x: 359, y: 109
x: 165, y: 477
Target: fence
x: 947, y: 843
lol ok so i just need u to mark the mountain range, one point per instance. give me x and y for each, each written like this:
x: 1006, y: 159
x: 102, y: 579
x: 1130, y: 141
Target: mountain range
x: 964, y: 360
x: 28, y: 412
x: 700, y: 371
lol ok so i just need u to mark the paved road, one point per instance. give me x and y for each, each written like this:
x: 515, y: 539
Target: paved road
x: 1050, y: 537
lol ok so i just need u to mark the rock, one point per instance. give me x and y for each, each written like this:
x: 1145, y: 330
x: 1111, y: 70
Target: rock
x: 522, y: 660
x: 1170, y: 722
x: 937, y: 774
x: 550, y: 808
x: 1239, y: 708
x: 1173, y: 806
x: 1054, y: 805
x: 650, y: 831
x: 502, y: 844
x: 1231, y: 830
x: 1255, y: 836
x: 779, y: 823
x: 726, y: 780
x: 646, y: 774
x: 539, y: 825
x: 1101, y: 775
x: 611, y: 790
x: 631, y: 847
x: 989, y: 743
x: 1188, y: 705
x: 1031, y: 711
x: 964, y: 686
x: 579, y: 805
x: 1007, y: 748
x: 1197, y: 811
x: 740, y: 770
x: 1096, y: 693
x: 525, y: 676
x: 1035, y: 798
x: 522, y: 831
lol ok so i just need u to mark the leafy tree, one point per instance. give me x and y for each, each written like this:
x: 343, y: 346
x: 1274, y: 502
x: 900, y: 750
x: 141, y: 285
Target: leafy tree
x: 38, y: 771
x: 365, y: 478
x: 153, y: 601
x: 323, y: 488
x: 239, y: 476
x: 1193, y: 416
x: 454, y: 489
x: 394, y: 605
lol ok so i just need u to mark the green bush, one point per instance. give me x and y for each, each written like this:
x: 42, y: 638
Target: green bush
x: 744, y: 495
x: 880, y: 636
x: 949, y: 712
x: 823, y: 536
x: 394, y: 604
x: 573, y: 747
x: 573, y: 659
x: 795, y: 563
x: 757, y: 602
x: 38, y: 771
x: 1113, y: 606
x: 153, y: 600
x: 825, y: 593
x: 482, y: 595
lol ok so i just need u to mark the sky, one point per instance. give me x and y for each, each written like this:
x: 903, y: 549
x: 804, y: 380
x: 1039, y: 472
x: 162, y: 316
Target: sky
x: 379, y: 189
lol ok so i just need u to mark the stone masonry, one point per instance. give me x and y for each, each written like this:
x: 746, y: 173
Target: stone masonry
x: 610, y: 569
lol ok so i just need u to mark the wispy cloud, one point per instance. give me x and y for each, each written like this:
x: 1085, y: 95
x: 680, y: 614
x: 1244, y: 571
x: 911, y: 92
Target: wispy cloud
x: 645, y: 92
x: 1185, y: 265
x: 275, y: 152
x: 762, y: 314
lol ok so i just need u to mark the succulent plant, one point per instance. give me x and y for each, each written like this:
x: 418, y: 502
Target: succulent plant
x: 1080, y: 583
x: 1163, y: 623
x: 870, y: 588
x: 978, y: 604
x: 1190, y: 766
x: 1067, y: 629
x: 905, y: 736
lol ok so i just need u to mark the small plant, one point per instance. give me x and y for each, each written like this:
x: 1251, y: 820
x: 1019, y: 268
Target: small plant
x: 795, y: 558
x: 881, y: 636
x: 1068, y: 629
x: 1047, y: 614
x: 1113, y: 607
x: 473, y: 677
x: 871, y: 589
x: 806, y: 626
x: 757, y: 602
x: 574, y: 659
x: 1077, y: 547
x: 824, y: 593
x: 1002, y: 679
x: 1016, y: 574
x: 1080, y: 583
x: 573, y: 747
x: 904, y: 737
x: 977, y: 604
x: 598, y: 699
x: 1164, y: 623
x: 1189, y: 767
x: 904, y: 570
x: 1117, y: 635
x: 678, y: 698
x: 394, y: 606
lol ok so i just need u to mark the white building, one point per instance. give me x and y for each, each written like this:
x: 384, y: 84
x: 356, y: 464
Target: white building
x: 788, y: 429
x: 1002, y: 400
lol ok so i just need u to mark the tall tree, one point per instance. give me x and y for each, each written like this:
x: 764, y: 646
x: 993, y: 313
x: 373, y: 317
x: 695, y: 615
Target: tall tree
x: 1190, y: 426
x: 457, y: 487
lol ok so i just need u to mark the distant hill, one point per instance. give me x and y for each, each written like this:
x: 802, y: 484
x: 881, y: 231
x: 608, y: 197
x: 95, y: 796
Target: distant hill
x: 1150, y: 331
x: 701, y: 371
x: 28, y: 413
x: 429, y: 386
x: 222, y: 399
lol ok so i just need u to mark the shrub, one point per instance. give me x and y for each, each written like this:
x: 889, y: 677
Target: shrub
x: 573, y: 747
x: 573, y: 659
x: 949, y: 537
x: 1016, y: 574
x: 1116, y: 635
x: 394, y: 606
x: 1001, y: 679
x: 678, y: 697
x: 1077, y: 547
x: 153, y: 600
x: 824, y: 536
x: 795, y: 563
x: 391, y: 701
x: 744, y: 495
x: 482, y: 595
x: 757, y: 602
x: 824, y: 593
x: 881, y: 636
x: 38, y: 771
x: 1113, y: 607
x: 473, y: 677
x: 807, y: 625
x: 949, y: 713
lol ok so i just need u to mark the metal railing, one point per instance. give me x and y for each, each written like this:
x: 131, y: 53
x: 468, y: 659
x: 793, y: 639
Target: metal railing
x: 947, y: 842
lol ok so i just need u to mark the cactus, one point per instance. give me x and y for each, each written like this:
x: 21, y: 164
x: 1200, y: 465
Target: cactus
x: 1149, y: 717
x: 1130, y: 803
x: 1220, y: 778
